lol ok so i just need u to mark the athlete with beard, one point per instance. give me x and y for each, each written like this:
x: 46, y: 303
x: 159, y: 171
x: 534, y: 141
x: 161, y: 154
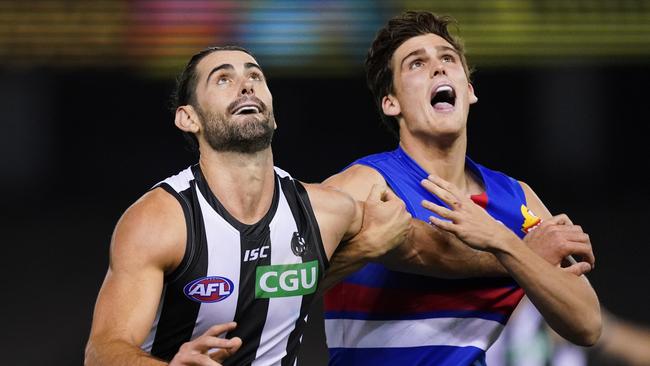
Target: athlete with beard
x: 220, y: 263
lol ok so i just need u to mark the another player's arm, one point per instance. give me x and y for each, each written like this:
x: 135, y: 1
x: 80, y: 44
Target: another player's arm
x: 149, y: 241
x: 426, y: 250
x: 567, y: 302
x: 363, y: 231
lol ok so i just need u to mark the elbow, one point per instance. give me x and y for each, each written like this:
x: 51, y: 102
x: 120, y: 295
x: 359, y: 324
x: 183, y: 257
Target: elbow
x: 87, y: 357
x: 590, y: 331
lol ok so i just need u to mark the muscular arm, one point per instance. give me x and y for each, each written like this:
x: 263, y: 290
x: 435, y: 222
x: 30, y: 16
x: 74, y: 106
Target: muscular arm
x: 146, y: 242
x: 363, y: 231
x: 567, y: 302
x: 426, y: 250
x: 149, y: 241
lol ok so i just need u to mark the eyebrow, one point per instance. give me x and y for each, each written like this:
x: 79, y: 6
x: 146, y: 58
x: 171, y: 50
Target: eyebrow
x: 420, y: 51
x: 447, y: 48
x: 247, y: 65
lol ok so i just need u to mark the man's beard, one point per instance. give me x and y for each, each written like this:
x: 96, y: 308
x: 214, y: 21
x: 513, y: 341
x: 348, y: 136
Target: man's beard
x: 249, y: 135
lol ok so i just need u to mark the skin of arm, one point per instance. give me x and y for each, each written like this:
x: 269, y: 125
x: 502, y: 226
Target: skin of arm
x: 567, y: 302
x: 624, y: 341
x: 149, y: 241
x: 368, y: 229
x: 426, y: 250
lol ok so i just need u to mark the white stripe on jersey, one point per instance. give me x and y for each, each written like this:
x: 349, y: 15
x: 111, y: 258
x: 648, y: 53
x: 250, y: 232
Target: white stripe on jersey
x: 180, y: 181
x: 460, y: 332
x: 283, y: 311
x: 223, y: 261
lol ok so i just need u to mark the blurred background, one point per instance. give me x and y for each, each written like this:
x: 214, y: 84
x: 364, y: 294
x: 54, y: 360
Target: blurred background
x: 86, y: 127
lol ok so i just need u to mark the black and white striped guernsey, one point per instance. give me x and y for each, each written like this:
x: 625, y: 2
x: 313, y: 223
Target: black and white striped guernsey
x: 263, y: 276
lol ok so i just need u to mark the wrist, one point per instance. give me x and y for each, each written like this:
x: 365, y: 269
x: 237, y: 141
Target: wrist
x: 364, y: 248
x: 505, y: 244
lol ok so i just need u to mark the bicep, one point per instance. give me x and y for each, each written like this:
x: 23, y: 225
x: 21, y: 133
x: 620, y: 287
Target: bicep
x: 148, y: 241
x: 339, y: 216
x: 127, y: 304
x: 357, y: 181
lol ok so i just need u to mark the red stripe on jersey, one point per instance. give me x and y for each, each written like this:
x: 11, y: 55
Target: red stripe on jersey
x: 480, y: 199
x: 356, y: 298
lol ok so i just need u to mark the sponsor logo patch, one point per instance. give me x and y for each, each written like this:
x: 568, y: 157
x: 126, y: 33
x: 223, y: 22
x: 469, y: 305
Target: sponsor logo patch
x: 209, y: 289
x: 284, y: 280
x: 531, y: 221
x: 298, y: 246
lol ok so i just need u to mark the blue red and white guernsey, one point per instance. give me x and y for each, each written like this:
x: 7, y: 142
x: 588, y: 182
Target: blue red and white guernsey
x: 382, y: 317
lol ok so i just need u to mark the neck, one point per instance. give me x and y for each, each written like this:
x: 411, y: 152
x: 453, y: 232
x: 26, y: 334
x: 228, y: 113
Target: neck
x: 442, y: 157
x: 243, y: 183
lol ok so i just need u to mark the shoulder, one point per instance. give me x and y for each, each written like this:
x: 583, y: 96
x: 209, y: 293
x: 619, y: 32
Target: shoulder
x: 330, y: 200
x: 356, y: 180
x: 151, y: 231
x: 533, y: 202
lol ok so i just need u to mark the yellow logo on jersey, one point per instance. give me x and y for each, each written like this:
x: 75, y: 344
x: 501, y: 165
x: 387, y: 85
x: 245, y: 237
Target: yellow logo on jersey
x: 530, y: 220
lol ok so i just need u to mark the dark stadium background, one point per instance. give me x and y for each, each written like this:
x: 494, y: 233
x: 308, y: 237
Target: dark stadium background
x: 82, y: 140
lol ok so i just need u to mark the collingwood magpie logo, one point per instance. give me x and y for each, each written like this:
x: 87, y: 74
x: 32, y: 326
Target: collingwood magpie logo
x: 298, y: 246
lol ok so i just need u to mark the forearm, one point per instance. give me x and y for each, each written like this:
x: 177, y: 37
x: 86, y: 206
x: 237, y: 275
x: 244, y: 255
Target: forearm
x: 567, y: 302
x: 348, y: 258
x: 117, y: 352
x: 623, y: 341
x: 431, y: 252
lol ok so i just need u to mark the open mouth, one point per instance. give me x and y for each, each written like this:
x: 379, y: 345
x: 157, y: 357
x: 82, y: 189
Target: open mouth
x: 444, y: 98
x: 246, y: 109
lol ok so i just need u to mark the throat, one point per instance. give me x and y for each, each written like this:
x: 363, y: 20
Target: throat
x: 245, y: 191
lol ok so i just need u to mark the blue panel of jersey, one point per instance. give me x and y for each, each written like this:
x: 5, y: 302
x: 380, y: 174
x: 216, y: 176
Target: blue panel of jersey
x: 403, y: 175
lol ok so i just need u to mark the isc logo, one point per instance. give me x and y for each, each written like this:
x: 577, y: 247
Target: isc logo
x: 253, y: 254
x: 209, y: 289
x: 286, y: 280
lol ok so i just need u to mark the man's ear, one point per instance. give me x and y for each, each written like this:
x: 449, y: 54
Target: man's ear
x: 390, y: 106
x: 187, y: 120
x: 472, y: 95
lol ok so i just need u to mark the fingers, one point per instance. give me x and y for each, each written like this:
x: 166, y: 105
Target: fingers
x: 216, y: 330
x: 224, y: 353
x: 561, y: 219
x: 205, y: 343
x: 444, y: 190
x: 376, y: 193
x: 389, y: 195
x: 578, y: 268
x: 585, y: 252
x: 437, y: 209
x: 442, y: 224
x: 210, y: 339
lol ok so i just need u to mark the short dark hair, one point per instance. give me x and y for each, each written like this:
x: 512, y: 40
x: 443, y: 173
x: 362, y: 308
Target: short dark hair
x: 399, y: 29
x: 185, y: 91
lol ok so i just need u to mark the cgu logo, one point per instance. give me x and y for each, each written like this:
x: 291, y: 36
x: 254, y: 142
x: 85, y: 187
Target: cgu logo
x: 286, y: 280
x: 209, y: 289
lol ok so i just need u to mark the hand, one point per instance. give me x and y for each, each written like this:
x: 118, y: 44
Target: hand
x: 557, y: 238
x: 468, y: 221
x: 196, y: 351
x: 386, y: 223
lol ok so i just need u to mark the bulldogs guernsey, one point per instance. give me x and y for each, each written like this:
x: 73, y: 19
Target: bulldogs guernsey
x: 263, y: 276
x: 382, y: 317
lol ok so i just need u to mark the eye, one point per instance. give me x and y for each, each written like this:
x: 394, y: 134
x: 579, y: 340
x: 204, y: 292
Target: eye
x: 448, y: 58
x: 256, y: 76
x: 416, y: 64
x: 222, y: 80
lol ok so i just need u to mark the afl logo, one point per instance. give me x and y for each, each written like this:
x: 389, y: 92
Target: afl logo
x: 209, y: 289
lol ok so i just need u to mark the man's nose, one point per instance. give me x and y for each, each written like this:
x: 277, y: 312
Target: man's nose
x: 247, y: 88
x: 438, y: 69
